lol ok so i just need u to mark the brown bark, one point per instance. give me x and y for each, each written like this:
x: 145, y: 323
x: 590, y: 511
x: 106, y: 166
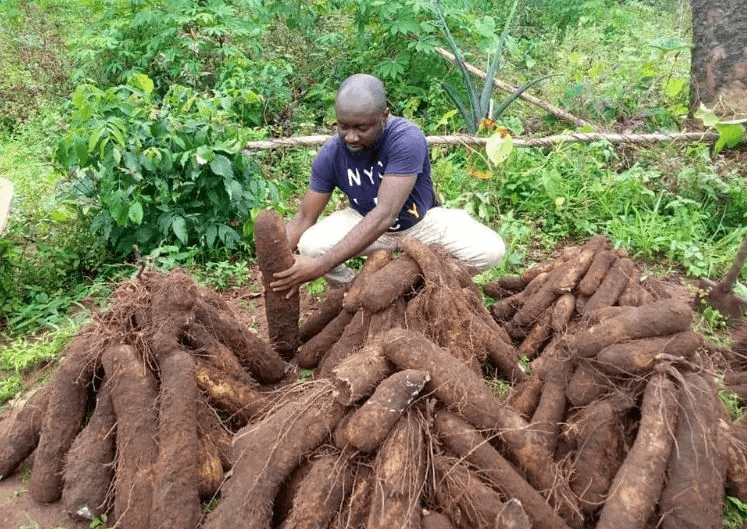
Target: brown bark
x: 719, y: 57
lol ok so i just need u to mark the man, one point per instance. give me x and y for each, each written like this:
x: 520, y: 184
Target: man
x: 381, y: 163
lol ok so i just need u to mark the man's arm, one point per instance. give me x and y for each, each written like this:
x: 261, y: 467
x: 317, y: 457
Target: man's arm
x: 312, y: 205
x: 393, y: 192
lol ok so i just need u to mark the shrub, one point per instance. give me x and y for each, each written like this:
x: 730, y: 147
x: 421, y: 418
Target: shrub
x: 160, y: 171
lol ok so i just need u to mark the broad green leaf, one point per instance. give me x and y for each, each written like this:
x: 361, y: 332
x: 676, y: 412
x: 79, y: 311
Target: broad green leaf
x: 136, y: 212
x: 707, y: 116
x: 499, y: 147
x: 222, y: 167
x: 142, y: 82
x: 730, y: 135
x: 674, y: 87
x: 179, y: 225
x: 210, y: 235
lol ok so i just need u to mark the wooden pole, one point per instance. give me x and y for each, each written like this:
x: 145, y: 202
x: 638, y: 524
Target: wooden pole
x: 547, y: 141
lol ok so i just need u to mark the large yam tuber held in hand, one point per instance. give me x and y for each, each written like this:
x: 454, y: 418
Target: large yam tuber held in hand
x: 637, y: 484
x: 274, y: 255
x: 653, y: 319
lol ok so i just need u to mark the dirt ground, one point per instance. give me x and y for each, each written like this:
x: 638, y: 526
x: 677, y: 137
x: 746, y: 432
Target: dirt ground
x: 19, y: 511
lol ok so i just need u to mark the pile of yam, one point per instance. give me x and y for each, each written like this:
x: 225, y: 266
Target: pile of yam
x: 167, y: 411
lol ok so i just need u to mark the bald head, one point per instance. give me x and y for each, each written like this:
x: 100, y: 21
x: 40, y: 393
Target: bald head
x: 361, y: 94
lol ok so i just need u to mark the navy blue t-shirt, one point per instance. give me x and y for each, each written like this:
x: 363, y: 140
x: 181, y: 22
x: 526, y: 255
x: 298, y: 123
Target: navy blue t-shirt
x: 400, y: 150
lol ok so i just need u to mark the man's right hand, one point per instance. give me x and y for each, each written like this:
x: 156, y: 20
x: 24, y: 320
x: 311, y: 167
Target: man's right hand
x: 305, y: 269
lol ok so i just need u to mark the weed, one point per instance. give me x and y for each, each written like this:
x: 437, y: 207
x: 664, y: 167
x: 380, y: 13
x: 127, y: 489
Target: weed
x: 20, y: 491
x: 316, y: 288
x: 735, y: 513
x: 26, y: 474
x: 98, y: 522
x: 210, y: 506
x: 499, y: 387
x: 305, y: 375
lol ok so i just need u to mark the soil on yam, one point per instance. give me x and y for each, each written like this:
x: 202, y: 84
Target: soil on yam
x: 400, y: 424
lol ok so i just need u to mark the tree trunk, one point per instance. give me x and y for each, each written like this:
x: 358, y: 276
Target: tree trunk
x: 719, y: 57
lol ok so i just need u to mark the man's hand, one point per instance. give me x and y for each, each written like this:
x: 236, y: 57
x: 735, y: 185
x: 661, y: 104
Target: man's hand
x: 304, y: 270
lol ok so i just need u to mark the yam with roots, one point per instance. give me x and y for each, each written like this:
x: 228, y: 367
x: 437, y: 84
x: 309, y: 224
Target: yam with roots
x: 20, y: 431
x: 462, y: 439
x: 466, y: 393
x: 176, y: 499
x: 613, y: 284
x: 638, y: 357
x: 89, y: 464
x: 395, y: 279
x: 694, y: 491
x: 267, y: 451
x: 274, y: 255
x: 64, y: 416
x: 134, y: 397
x: 399, y: 477
x: 598, y: 433
x: 320, y: 494
x: 636, y: 488
x: 596, y: 272
x: 653, y: 319
x: 313, y: 350
x: 372, y: 422
x: 357, y: 376
x: 327, y: 311
x: 352, y: 339
x: 375, y: 261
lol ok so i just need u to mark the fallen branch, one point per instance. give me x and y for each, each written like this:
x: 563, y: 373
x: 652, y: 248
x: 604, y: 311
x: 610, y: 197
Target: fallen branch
x: 466, y: 139
x: 544, y: 105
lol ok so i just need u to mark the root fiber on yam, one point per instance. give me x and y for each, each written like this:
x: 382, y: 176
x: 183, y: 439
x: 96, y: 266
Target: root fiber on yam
x: 320, y: 494
x: 274, y: 254
x: 399, y: 472
x: 267, y: 451
x: 89, y: 464
x: 693, y: 493
x: 462, y: 439
x: 134, y: 397
x: 636, y: 488
x: 176, y: 499
x: 467, y: 394
x: 19, y: 432
x: 597, y: 431
x: 372, y: 422
x: 64, y: 416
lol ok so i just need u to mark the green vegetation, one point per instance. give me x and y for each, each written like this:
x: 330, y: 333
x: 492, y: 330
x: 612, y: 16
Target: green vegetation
x: 122, y: 125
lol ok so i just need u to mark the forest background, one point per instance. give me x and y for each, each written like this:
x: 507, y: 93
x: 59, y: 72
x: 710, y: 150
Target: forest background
x: 123, y: 126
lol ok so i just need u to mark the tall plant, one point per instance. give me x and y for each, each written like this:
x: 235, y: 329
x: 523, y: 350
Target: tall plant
x: 480, y: 106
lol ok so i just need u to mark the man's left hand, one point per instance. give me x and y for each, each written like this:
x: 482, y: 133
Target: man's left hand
x: 304, y: 270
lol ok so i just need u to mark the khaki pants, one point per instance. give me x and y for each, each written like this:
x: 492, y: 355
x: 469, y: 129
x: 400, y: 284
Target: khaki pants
x: 474, y: 244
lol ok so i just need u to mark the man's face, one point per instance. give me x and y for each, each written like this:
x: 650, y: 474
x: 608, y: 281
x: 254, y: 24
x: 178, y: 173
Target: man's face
x: 358, y: 130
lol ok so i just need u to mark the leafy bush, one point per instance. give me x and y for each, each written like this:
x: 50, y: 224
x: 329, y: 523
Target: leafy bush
x: 160, y: 171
